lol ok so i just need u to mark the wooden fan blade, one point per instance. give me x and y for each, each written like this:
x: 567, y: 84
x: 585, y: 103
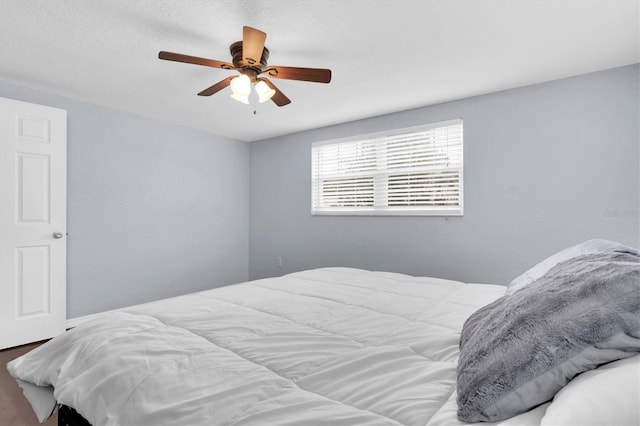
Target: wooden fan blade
x: 279, y: 98
x: 316, y: 75
x: 217, y: 87
x: 178, y: 57
x: 252, y: 45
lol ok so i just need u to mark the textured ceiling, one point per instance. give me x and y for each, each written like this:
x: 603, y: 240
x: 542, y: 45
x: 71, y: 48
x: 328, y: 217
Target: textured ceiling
x: 385, y: 55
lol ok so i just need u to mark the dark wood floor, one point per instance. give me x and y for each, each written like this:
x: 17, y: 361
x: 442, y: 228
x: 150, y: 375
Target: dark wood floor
x: 14, y: 408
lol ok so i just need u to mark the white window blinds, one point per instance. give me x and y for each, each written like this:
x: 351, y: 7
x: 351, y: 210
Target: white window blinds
x: 415, y: 171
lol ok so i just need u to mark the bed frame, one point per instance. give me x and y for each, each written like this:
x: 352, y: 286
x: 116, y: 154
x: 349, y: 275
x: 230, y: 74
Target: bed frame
x: 67, y: 416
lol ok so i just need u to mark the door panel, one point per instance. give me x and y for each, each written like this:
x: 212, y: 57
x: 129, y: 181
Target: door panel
x: 32, y: 188
x: 32, y: 283
x: 33, y: 149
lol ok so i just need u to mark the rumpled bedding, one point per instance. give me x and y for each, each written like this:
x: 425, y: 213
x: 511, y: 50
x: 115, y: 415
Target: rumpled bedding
x: 331, y: 346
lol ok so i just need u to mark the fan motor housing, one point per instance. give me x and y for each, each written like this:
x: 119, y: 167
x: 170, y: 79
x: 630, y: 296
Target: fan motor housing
x: 248, y: 65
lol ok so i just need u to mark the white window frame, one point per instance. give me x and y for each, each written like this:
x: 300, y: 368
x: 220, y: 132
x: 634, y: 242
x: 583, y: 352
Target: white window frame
x: 379, y: 176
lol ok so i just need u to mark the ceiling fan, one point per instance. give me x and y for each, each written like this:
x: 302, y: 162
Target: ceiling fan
x: 250, y: 60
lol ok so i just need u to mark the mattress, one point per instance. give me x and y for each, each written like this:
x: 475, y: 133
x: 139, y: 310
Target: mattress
x: 334, y: 346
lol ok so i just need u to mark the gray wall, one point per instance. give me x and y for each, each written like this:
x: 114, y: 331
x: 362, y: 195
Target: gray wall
x: 154, y: 210
x: 546, y: 166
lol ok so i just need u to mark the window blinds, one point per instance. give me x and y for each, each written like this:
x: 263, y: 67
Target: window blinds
x: 416, y: 171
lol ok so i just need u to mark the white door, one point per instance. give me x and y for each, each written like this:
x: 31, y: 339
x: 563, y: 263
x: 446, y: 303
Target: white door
x: 33, y: 223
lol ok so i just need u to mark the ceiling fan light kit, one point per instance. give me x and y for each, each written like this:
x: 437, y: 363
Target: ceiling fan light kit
x: 264, y: 92
x: 249, y: 58
x: 241, y: 88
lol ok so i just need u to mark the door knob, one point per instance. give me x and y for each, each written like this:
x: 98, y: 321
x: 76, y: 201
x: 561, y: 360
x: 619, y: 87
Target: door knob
x: 57, y: 235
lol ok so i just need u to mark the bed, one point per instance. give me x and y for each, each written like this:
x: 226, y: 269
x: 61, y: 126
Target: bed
x: 329, y: 346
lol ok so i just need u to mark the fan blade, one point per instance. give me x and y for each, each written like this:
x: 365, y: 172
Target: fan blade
x: 252, y: 45
x: 316, y: 75
x: 178, y: 57
x: 279, y: 98
x: 217, y: 87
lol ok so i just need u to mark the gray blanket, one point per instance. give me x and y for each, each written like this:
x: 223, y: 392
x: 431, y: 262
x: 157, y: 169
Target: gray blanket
x: 517, y: 352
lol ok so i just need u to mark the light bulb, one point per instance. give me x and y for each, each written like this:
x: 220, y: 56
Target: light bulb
x: 264, y: 91
x: 241, y: 88
x: 241, y: 85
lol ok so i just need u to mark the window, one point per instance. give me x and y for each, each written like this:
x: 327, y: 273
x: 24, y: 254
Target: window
x: 413, y: 171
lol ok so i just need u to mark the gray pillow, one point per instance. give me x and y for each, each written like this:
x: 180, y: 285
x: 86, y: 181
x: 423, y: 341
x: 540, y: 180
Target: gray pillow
x: 518, y: 351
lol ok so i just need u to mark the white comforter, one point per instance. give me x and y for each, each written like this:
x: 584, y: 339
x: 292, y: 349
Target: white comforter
x: 332, y: 346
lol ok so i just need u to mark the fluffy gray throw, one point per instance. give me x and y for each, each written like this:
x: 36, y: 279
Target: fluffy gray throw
x: 518, y: 351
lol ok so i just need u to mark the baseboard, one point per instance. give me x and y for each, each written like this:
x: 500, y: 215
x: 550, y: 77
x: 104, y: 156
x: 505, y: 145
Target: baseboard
x: 74, y: 322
